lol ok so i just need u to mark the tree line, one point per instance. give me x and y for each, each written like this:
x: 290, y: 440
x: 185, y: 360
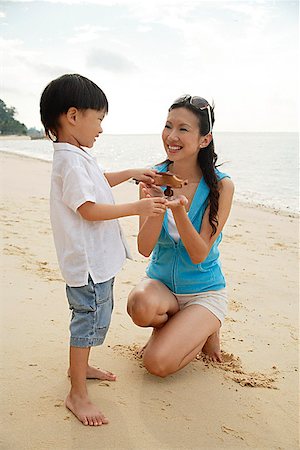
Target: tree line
x: 8, y: 124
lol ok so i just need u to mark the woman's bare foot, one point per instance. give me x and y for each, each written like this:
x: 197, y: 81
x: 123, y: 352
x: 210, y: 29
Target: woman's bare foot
x: 85, y: 411
x: 140, y: 351
x: 98, y: 374
x: 212, y: 348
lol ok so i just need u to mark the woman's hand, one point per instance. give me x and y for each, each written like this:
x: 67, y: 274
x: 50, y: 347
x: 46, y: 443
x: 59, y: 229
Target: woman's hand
x: 176, y: 201
x: 156, y: 191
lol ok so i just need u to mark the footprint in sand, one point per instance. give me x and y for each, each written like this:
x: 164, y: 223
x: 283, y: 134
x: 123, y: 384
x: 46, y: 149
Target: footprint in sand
x: 231, y: 431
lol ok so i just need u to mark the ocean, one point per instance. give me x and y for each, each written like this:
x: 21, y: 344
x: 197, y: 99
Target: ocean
x: 263, y: 166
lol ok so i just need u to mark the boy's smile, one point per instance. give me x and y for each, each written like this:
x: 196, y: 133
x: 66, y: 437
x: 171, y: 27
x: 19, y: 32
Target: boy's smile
x: 80, y: 127
x: 88, y: 126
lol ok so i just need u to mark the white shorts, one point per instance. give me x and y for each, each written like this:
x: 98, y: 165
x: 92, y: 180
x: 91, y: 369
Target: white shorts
x: 215, y: 301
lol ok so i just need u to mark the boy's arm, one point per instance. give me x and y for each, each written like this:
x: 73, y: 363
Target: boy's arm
x: 146, y: 207
x: 145, y: 175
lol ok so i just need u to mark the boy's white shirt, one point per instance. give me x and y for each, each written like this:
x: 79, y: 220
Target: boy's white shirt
x: 83, y: 247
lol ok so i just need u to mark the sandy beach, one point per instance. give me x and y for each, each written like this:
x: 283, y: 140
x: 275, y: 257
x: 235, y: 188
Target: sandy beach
x: 248, y: 401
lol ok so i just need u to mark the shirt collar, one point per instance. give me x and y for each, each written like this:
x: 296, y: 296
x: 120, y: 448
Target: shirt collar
x: 64, y: 146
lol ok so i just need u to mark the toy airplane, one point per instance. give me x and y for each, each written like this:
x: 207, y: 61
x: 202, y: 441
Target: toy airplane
x: 170, y: 180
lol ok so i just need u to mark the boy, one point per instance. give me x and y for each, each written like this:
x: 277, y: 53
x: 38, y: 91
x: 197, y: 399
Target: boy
x: 88, y: 239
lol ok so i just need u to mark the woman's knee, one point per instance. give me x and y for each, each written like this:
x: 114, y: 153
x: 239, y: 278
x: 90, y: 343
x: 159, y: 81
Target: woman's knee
x: 157, y: 364
x: 141, y: 307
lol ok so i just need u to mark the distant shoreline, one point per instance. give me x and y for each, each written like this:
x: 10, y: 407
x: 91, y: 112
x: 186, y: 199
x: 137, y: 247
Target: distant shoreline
x: 14, y: 137
x: 242, y: 203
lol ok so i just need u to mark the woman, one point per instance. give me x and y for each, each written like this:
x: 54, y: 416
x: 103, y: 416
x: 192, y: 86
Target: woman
x: 183, y: 297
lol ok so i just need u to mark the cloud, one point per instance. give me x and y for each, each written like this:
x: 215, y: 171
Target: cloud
x: 11, y: 46
x: 110, y: 61
x: 19, y: 57
x: 8, y: 90
x: 255, y: 15
x: 80, y: 2
x: 237, y: 52
x: 50, y: 70
x: 144, y: 28
x: 87, y: 33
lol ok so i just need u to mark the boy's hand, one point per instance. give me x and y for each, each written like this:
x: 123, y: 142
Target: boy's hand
x: 144, y: 175
x: 151, y: 206
x: 153, y: 191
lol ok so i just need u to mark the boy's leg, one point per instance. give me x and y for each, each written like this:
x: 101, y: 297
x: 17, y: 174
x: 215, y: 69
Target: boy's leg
x: 91, y: 307
x: 78, y: 401
x: 94, y: 373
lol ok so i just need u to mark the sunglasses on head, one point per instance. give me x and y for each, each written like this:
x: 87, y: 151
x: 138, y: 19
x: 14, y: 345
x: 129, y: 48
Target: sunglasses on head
x: 198, y: 103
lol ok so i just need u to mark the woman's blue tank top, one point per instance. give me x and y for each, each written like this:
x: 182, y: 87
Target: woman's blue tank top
x: 170, y: 263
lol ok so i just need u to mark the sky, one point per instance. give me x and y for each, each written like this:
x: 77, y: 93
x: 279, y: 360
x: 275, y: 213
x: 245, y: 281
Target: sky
x: 240, y: 54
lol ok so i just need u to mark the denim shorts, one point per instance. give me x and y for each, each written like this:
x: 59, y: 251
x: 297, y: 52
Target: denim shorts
x: 91, y: 307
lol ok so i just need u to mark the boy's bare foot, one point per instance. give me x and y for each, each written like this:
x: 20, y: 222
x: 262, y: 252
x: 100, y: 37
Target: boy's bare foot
x: 98, y: 374
x: 104, y: 375
x: 212, y: 348
x: 85, y: 411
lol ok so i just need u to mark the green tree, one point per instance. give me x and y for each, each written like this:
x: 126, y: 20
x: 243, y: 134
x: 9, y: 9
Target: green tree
x: 8, y: 124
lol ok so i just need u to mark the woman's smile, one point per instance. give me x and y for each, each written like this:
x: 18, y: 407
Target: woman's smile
x: 173, y: 148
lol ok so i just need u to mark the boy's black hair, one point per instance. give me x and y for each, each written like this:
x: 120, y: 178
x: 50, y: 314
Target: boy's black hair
x: 70, y: 90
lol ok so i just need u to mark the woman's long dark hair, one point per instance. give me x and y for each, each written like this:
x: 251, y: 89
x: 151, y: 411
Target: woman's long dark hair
x: 207, y: 159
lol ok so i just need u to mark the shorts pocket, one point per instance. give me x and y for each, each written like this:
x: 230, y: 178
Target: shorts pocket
x: 104, y: 303
x: 82, y: 299
x: 103, y: 315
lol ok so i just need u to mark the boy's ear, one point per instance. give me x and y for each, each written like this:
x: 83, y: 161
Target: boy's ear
x: 72, y: 114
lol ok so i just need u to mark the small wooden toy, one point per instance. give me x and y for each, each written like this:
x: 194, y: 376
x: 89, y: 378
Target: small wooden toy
x: 170, y: 180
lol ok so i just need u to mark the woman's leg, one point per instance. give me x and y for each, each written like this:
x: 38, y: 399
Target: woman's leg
x: 177, y: 343
x: 151, y: 304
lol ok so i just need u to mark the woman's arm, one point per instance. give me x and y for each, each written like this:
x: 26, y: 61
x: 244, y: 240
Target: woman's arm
x: 149, y: 227
x: 198, y: 245
x: 145, y: 175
